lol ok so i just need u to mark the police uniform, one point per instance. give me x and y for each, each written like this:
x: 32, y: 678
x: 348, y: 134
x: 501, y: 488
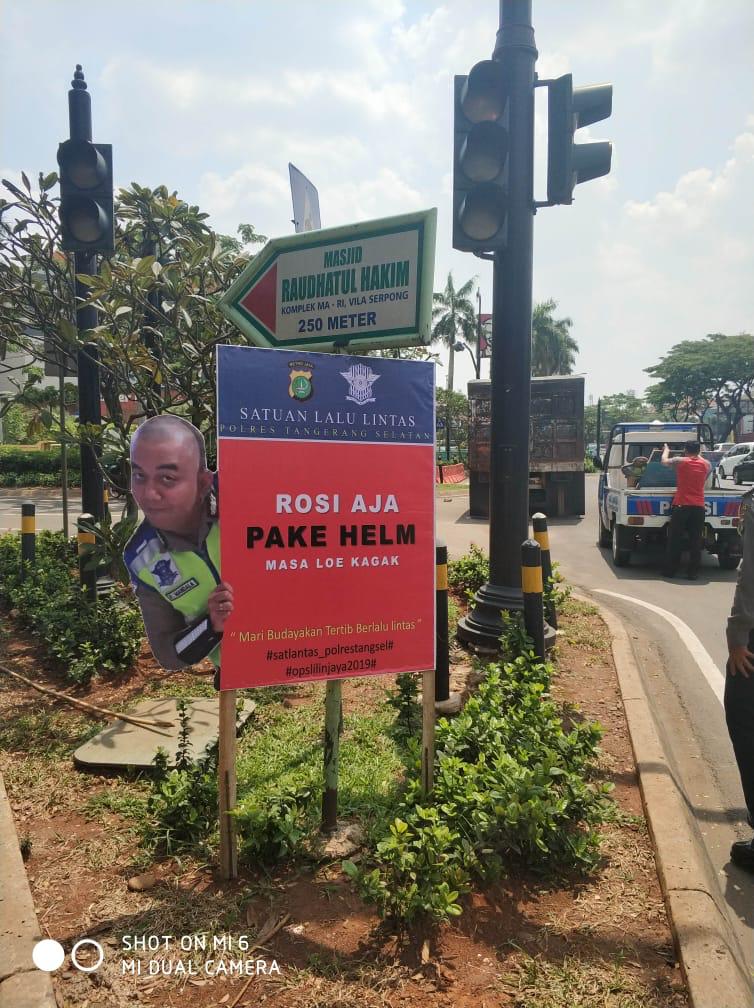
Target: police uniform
x: 739, y: 690
x: 173, y: 576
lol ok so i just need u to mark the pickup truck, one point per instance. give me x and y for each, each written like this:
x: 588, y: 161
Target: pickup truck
x: 634, y: 508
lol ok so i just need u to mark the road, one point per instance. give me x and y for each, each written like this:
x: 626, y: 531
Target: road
x: 677, y: 630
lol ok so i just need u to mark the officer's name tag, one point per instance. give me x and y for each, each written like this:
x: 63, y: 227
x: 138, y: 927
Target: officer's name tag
x: 182, y: 589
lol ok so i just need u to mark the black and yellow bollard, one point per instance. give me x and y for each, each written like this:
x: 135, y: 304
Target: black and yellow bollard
x: 85, y: 538
x: 539, y: 524
x: 531, y: 585
x: 442, y: 659
x: 28, y: 535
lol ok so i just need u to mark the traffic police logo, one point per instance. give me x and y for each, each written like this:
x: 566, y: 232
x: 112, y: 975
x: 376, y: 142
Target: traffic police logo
x: 360, y: 378
x: 166, y: 572
x: 300, y: 383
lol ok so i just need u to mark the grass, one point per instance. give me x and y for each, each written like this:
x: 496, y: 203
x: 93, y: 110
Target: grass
x: 283, y: 750
x: 579, y: 983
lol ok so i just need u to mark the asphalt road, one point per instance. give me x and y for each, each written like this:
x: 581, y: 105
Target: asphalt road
x: 677, y: 629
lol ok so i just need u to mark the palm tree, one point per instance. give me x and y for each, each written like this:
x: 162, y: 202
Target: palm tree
x: 454, y: 318
x: 553, y: 349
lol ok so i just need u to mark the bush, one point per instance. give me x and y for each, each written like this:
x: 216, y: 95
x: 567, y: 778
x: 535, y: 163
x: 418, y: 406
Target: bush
x: 86, y: 637
x: 514, y: 782
x: 21, y: 467
x: 470, y: 572
x: 182, y: 805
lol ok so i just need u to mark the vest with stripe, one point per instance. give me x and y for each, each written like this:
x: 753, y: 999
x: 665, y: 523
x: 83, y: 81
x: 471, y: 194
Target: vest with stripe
x: 184, y: 578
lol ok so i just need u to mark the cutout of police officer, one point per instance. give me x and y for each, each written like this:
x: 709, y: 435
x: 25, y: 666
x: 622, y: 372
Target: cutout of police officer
x: 173, y: 558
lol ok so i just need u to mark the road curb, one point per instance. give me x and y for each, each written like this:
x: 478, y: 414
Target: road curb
x: 706, y: 947
x: 22, y: 985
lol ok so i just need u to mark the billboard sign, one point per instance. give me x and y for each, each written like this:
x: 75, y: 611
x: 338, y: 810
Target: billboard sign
x: 326, y: 474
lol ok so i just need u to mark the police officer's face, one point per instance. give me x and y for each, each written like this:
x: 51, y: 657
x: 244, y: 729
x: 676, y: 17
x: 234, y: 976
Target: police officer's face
x: 166, y: 481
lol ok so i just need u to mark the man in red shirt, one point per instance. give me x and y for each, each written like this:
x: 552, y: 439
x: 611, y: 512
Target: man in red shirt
x: 687, y: 509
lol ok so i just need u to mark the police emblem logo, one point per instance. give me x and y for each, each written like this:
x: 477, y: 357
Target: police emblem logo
x: 360, y: 378
x: 300, y: 380
x: 166, y: 572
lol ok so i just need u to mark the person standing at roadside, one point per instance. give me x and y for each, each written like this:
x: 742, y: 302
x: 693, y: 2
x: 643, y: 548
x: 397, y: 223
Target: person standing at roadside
x: 687, y: 508
x: 739, y: 677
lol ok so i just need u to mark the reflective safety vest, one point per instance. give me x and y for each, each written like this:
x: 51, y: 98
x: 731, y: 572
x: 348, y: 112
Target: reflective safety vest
x: 184, y: 578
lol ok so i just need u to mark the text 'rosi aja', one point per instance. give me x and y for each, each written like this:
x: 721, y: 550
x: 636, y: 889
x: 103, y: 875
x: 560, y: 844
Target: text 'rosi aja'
x: 290, y: 536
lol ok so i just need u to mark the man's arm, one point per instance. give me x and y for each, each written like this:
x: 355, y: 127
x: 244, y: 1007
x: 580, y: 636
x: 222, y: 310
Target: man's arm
x: 741, y: 619
x: 666, y: 460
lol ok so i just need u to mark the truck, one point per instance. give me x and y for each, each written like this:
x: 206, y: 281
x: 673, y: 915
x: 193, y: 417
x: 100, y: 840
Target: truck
x: 556, y: 446
x: 634, y: 506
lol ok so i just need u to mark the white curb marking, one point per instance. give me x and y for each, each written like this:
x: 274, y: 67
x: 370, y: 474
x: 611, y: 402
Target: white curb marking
x: 696, y: 649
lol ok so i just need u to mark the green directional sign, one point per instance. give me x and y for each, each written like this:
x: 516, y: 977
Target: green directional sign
x: 363, y: 286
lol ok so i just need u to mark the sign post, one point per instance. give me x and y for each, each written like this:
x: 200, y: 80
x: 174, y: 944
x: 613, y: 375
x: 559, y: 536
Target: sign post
x: 363, y: 286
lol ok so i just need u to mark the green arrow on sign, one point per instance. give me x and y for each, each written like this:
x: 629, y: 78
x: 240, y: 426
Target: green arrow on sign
x: 362, y: 286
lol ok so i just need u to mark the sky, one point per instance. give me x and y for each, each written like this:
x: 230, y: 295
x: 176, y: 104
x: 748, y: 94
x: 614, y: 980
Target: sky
x: 214, y: 98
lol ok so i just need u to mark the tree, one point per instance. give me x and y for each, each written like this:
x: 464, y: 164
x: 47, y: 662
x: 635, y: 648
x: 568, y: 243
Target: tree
x: 453, y: 410
x: 695, y: 377
x: 623, y: 407
x: 553, y: 349
x: 454, y: 319
x: 156, y: 296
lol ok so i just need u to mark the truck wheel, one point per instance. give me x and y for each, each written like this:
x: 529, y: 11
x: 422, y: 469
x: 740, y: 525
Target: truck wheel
x: 726, y: 559
x: 621, y: 555
x: 603, y: 535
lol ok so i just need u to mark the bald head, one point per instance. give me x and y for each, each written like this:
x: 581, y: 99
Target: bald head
x: 172, y: 428
x: 169, y: 475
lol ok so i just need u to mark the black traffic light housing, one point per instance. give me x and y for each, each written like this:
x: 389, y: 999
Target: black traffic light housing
x: 480, y: 159
x: 86, y: 196
x: 569, y: 163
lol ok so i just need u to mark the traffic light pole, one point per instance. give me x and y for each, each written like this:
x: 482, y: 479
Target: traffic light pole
x: 511, y: 344
x: 92, y: 497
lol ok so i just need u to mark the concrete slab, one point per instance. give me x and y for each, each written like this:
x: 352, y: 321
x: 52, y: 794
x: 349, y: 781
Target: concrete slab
x: 126, y: 745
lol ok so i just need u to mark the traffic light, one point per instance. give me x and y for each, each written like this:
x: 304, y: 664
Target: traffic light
x: 480, y: 159
x: 569, y: 163
x: 86, y: 196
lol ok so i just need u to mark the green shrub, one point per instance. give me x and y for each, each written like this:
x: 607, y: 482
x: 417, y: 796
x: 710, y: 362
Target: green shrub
x: 514, y: 783
x: 85, y: 636
x: 274, y: 828
x: 182, y: 805
x: 470, y: 572
x: 20, y: 467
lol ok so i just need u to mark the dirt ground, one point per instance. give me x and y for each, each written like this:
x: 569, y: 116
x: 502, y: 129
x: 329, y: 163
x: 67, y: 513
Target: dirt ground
x: 601, y: 941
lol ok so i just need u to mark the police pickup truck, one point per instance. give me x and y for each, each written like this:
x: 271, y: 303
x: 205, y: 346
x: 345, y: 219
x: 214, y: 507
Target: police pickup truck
x: 635, y: 496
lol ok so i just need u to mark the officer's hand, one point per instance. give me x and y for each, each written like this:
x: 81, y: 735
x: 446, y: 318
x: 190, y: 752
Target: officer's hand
x: 740, y: 659
x: 220, y: 606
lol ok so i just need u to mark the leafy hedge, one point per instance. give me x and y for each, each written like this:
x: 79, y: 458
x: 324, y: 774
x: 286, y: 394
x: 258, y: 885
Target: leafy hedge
x: 20, y: 467
x: 86, y: 637
x: 515, y: 783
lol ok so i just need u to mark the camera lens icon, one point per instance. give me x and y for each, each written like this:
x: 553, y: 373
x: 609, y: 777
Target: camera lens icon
x: 83, y: 945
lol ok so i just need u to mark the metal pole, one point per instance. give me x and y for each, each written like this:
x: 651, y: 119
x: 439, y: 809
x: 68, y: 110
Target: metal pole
x: 599, y: 427
x: 442, y: 660
x: 531, y: 580
x: 511, y: 345
x: 226, y: 783
x: 542, y: 536
x: 87, y: 578
x: 28, y: 535
x: 332, y: 756
x: 63, y: 447
x: 478, y: 361
x: 92, y: 502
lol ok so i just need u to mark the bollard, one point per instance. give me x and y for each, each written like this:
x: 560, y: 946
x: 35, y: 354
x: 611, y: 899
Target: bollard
x: 442, y: 660
x: 28, y: 534
x: 539, y: 523
x: 87, y: 578
x: 531, y: 584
